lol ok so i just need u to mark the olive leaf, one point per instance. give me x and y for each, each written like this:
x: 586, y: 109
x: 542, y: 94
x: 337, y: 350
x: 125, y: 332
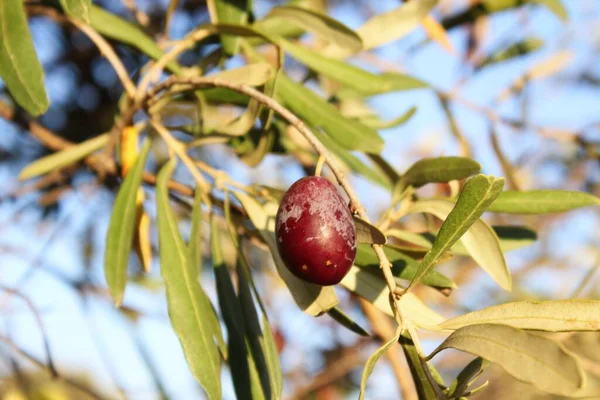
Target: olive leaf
x: 526, y: 356
x: 121, y: 228
x: 373, y: 360
x: 343, y: 319
x: 541, y: 201
x: 551, y: 315
x: 77, y: 8
x: 367, y: 233
x: 229, y: 12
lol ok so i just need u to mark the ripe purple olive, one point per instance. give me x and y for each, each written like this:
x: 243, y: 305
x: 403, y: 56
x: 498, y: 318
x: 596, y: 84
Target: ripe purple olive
x: 315, y: 232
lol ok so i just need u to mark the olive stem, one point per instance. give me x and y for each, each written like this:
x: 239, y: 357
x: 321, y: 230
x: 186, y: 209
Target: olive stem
x: 183, y: 84
x: 319, y: 166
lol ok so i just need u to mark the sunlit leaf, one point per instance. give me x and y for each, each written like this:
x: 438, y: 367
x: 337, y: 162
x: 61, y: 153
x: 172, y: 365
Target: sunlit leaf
x: 121, y: 228
x: 63, y: 158
x: 393, y: 25
x: 541, y: 201
x: 556, y: 7
x: 373, y: 288
x: 317, y: 112
x: 115, y: 27
x: 478, y: 193
x: 526, y: 356
x: 436, y: 32
x: 312, y: 299
x: 373, y: 360
x: 518, y: 49
x: 196, y: 234
x: 343, y: 319
x: 367, y: 233
x: 189, y: 307
x: 20, y: 67
x: 77, y: 8
x: 551, y: 315
x: 256, y: 74
x: 229, y: 12
x: 320, y: 24
x: 353, y: 77
x: 270, y: 350
x: 480, y: 240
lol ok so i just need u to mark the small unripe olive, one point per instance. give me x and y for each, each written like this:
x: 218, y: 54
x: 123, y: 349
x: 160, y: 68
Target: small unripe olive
x: 315, y: 232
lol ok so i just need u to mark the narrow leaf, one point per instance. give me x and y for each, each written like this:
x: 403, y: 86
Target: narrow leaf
x: 480, y: 241
x: 343, y: 319
x: 541, y: 201
x: 320, y: 24
x: 272, y: 356
x: 527, y: 357
x: 317, y: 112
x: 121, y: 228
x: 229, y: 12
x: 466, y: 377
x: 478, y: 193
x: 376, y: 123
x: 353, y: 77
x: 552, y: 316
x: 77, y: 8
x: 367, y: 233
x: 20, y: 67
x: 63, y: 158
x: 115, y: 27
x: 256, y: 74
x: 232, y: 316
x: 393, y: 25
x: 403, y: 266
x: 373, y: 288
x: 196, y: 234
x: 312, y: 299
x: 373, y: 360
x: 556, y: 7
x: 440, y: 169
x: 189, y: 307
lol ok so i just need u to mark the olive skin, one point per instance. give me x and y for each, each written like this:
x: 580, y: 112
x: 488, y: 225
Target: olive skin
x: 315, y: 231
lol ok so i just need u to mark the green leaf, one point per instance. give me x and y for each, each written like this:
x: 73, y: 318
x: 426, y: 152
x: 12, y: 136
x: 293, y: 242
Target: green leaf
x: 373, y: 288
x: 541, y: 201
x: 119, y: 237
x: 312, y: 299
x: 229, y: 12
x: 320, y: 24
x: 77, y: 8
x: 20, y: 67
x: 63, y: 158
x: 353, y: 77
x: 527, y: 357
x: 403, y: 266
x: 116, y: 28
x: 393, y: 25
x: 556, y: 7
x: 467, y: 377
x: 189, y: 307
x: 376, y: 123
x: 423, y: 385
x: 256, y: 74
x: 367, y: 233
x: 440, y: 169
x: 478, y: 193
x: 373, y: 360
x: 518, y: 49
x: 196, y: 234
x: 343, y: 319
x: 272, y: 356
x: 552, y: 316
x: 317, y: 112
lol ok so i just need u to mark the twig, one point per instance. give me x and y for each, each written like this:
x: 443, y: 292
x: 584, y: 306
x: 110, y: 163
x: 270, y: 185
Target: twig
x: 192, y: 83
x: 40, y: 324
x: 101, y: 43
x: 40, y: 364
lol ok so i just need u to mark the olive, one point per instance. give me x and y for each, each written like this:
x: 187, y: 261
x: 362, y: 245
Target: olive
x: 315, y: 231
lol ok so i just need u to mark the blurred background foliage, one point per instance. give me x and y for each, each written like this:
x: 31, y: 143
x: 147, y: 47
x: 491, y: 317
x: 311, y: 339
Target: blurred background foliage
x: 517, y: 88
